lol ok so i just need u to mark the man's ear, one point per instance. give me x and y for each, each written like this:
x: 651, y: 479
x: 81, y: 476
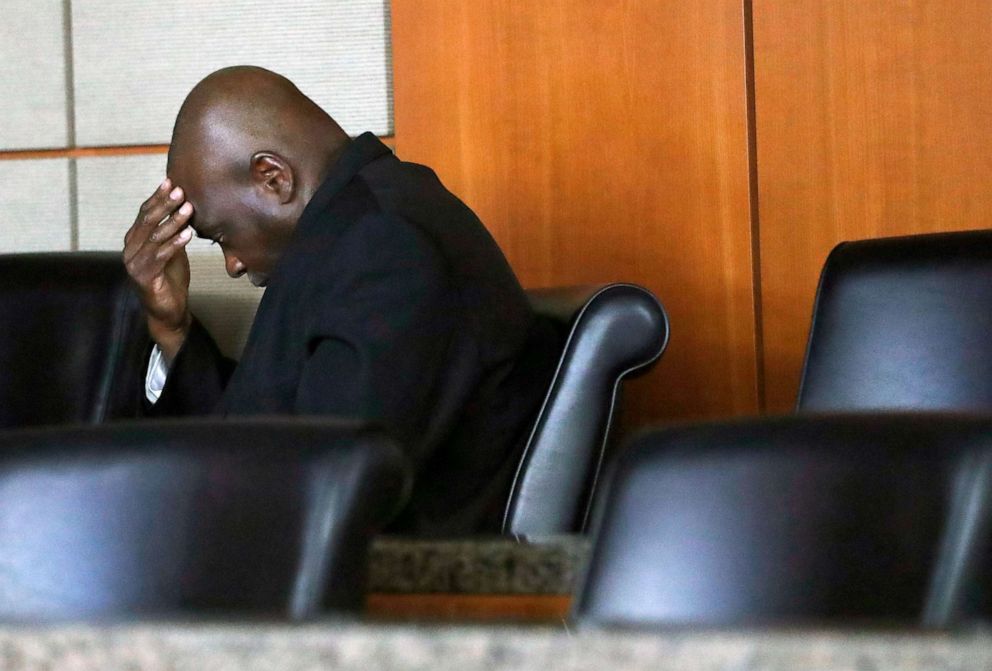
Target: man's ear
x: 273, y: 174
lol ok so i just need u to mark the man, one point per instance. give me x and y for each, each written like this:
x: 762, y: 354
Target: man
x: 387, y: 299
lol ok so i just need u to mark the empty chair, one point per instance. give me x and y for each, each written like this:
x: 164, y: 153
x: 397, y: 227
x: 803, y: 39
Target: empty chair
x: 805, y: 519
x: 269, y: 517
x: 73, y: 341
x: 903, y: 323
x: 609, y: 332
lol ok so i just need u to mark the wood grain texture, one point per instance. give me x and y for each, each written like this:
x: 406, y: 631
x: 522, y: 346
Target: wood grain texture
x: 467, y: 607
x: 873, y: 119
x: 601, y: 141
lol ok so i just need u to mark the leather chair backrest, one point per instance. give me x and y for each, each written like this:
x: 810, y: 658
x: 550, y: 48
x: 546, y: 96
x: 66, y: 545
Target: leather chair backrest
x: 815, y: 519
x: 73, y: 340
x: 903, y: 323
x: 154, y: 519
x: 612, y: 331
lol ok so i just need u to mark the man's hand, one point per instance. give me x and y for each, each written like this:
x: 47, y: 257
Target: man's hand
x: 155, y: 258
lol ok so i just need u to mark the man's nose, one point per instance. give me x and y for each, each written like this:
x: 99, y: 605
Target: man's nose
x: 234, y: 266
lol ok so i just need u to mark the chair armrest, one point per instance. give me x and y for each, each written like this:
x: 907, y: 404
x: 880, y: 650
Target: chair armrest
x: 614, y: 331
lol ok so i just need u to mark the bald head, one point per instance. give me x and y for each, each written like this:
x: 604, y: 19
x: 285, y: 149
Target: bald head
x: 250, y: 150
x: 238, y: 111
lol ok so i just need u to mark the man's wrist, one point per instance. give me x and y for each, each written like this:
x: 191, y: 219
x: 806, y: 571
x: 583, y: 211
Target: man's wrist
x: 169, y: 339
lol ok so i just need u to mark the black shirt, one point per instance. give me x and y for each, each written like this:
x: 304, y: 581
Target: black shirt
x: 392, y: 303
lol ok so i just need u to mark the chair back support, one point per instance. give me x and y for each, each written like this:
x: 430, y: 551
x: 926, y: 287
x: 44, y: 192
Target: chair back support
x: 613, y: 331
x: 172, y: 519
x: 798, y: 520
x: 73, y: 339
x: 903, y: 323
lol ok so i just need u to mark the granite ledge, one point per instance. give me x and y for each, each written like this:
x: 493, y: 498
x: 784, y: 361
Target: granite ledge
x: 352, y: 646
x: 486, y: 565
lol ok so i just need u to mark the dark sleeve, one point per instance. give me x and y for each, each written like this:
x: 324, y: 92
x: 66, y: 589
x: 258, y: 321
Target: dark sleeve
x: 196, y: 378
x: 379, y: 334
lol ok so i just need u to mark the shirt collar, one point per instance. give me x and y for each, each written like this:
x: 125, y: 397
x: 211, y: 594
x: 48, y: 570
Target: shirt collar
x: 356, y: 155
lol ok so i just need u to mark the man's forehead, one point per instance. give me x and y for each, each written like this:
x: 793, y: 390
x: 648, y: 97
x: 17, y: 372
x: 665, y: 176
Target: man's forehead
x: 194, y: 159
x: 184, y: 172
x: 191, y: 177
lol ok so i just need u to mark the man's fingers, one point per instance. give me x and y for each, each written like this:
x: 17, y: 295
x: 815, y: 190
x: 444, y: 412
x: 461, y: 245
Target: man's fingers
x: 155, y: 212
x: 158, y: 198
x: 150, y: 261
x: 145, y: 210
x: 161, y: 204
x: 174, y: 246
x: 161, y: 190
x: 172, y: 225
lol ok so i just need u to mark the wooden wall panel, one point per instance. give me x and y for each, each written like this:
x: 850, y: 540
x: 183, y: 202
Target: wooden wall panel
x: 601, y: 141
x: 873, y: 118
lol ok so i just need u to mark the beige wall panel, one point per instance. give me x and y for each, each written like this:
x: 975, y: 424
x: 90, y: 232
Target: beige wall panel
x: 132, y: 73
x: 110, y: 191
x: 34, y: 206
x: 873, y: 119
x: 32, y: 75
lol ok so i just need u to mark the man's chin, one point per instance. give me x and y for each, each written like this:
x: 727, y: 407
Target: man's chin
x: 258, y: 279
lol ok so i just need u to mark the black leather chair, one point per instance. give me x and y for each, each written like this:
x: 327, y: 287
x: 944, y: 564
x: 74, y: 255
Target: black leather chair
x: 268, y: 517
x: 903, y: 323
x: 73, y: 340
x: 610, y: 332
x: 804, y: 519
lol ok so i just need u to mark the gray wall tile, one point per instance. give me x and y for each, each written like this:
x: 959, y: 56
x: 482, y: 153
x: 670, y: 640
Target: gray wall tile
x: 32, y: 75
x: 110, y: 191
x: 34, y: 206
x: 132, y: 73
